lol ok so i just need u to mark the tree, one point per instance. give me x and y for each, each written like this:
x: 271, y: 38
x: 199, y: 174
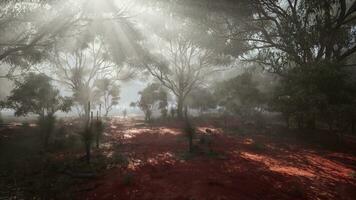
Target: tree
x: 163, y: 102
x: 107, y: 92
x: 81, y: 70
x: 300, y: 31
x: 182, y: 64
x: 240, y: 95
x: 201, y: 99
x: 150, y: 97
x: 290, y: 38
x: 28, y: 29
x: 35, y: 94
x: 323, y: 93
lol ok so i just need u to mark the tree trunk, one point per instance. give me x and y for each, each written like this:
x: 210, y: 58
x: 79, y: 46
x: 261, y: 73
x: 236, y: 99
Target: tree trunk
x: 87, y: 150
x: 353, y: 125
x: 286, y: 117
x: 180, y: 107
x: 300, y: 121
x: 190, y: 142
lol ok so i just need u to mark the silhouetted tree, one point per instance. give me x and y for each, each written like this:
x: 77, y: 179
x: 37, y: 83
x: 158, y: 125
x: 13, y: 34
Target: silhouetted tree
x: 36, y: 95
x: 152, y: 97
x: 201, y: 99
x: 240, y: 95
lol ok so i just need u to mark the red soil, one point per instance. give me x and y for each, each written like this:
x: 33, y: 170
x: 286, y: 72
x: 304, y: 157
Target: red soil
x: 282, y: 169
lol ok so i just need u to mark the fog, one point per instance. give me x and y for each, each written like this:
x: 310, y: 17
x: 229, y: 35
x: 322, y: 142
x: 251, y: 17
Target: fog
x: 178, y: 99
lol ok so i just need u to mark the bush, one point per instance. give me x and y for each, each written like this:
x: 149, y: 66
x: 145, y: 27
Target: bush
x: 127, y: 179
x: 25, y: 124
x: 206, y: 141
x: 256, y: 146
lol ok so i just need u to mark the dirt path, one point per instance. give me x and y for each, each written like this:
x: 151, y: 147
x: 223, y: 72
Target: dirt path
x: 249, y: 167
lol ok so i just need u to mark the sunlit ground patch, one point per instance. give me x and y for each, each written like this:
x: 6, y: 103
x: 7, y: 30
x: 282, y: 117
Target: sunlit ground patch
x: 277, y: 166
x: 203, y: 129
x: 167, y: 158
x: 248, y: 141
x: 163, y: 131
x: 327, y: 168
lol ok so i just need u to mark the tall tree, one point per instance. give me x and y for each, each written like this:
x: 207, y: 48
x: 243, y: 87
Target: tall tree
x: 107, y: 93
x: 182, y: 64
x: 80, y: 69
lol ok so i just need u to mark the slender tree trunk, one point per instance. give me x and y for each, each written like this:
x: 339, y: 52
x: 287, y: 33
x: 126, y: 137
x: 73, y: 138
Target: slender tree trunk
x: 89, y: 129
x: 286, y: 118
x: 88, y: 153
x: 353, y: 127
x: 190, y: 143
x: 300, y: 121
x: 180, y: 107
x: 189, y: 129
x: 97, y: 129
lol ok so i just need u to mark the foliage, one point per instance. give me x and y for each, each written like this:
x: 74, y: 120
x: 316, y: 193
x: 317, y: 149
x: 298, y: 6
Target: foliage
x: 201, y: 99
x: 35, y: 94
x: 240, y: 95
x: 323, y: 92
x: 107, y: 93
x: 150, y: 97
x: 181, y: 64
x: 128, y: 179
x: 307, y: 43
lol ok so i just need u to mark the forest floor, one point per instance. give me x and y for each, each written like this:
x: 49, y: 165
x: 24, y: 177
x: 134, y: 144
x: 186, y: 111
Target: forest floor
x: 266, y: 164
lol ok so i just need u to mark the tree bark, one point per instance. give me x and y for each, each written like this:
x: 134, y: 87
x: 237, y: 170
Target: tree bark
x: 87, y: 150
x: 353, y: 127
x: 286, y: 118
x: 180, y: 105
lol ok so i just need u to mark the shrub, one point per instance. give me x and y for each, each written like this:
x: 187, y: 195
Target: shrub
x: 127, y: 179
x: 25, y: 124
x: 206, y: 141
x: 256, y: 146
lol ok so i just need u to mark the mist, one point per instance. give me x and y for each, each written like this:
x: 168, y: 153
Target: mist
x: 193, y: 99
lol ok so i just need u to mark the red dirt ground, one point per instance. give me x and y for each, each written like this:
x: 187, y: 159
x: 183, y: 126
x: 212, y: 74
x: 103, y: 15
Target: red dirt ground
x: 282, y: 169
